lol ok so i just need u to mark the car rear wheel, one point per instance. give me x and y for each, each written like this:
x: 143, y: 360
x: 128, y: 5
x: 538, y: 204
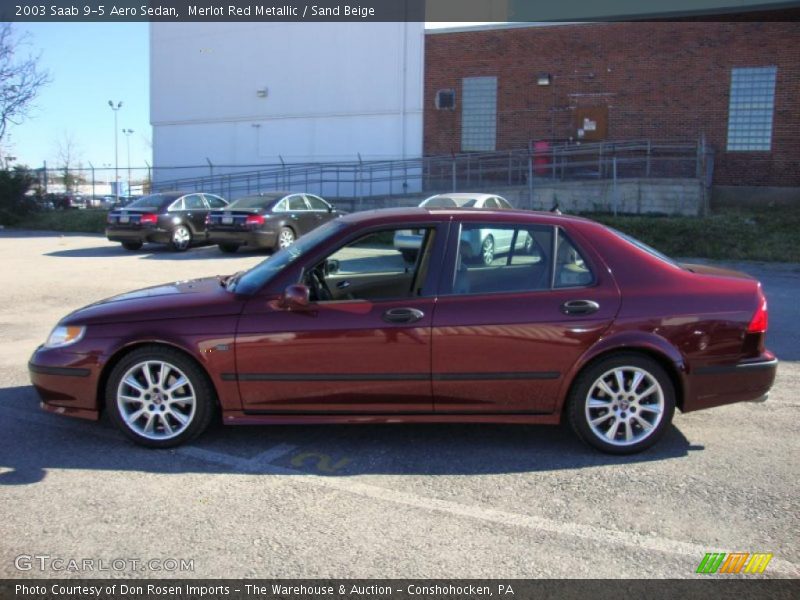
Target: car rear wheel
x: 132, y: 245
x: 622, y: 404
x: 181, y: 238
x: 286, y: 238
x: 228, y: 248
x: 159, y: 398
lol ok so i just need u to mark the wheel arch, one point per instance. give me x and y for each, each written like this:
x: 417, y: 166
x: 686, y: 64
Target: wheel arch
x: 658, y: 349
x: 123, y: 351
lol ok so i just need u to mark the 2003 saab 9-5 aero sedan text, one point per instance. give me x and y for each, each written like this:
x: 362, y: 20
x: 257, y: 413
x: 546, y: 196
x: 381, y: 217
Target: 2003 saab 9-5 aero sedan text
x: 583, y: 323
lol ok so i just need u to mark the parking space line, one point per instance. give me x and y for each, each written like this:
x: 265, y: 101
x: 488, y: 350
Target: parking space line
x: 261, y: 464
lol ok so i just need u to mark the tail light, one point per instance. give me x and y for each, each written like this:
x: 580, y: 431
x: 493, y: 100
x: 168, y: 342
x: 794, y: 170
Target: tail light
x: 148, y: 219
x: 254, y: 220
x: 208, y: 220
x: 760, y: 320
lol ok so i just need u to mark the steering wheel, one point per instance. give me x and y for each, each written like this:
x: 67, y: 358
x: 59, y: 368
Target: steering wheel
x: 317, y: 280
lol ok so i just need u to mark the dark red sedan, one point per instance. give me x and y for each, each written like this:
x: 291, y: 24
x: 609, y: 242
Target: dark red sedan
x: 574, y: 321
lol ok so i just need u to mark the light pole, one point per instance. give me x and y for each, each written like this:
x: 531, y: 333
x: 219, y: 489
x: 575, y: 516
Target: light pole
x: 128, y: 133
x: 116, y: 154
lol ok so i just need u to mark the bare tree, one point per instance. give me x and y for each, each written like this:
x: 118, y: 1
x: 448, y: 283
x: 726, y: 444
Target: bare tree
x: 20, y: 79
x: 68, y: 155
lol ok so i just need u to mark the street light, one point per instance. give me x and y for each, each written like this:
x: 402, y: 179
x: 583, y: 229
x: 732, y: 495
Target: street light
x: 116, y: 155
x: 128, y: 133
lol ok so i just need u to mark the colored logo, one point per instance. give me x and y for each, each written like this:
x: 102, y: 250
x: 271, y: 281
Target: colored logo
x: 735, y: 562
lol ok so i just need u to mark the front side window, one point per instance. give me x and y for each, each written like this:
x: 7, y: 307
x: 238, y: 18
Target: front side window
x: 497, y: 258
x: 370, y: 268
x: 751, y: 109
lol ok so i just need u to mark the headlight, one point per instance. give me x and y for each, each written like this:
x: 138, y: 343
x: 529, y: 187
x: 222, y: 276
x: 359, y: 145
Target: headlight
x: 64, y: 335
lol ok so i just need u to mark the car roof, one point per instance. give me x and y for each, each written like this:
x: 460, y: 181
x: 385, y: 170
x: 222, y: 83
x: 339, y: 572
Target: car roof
x: 465, y: 195
x: 421, y: 214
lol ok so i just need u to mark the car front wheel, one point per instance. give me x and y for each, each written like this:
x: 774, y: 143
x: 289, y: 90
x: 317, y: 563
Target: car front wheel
x: 181, y: 238
x: 487, y: 250
x: 159, y: 397
x: 622, y: 404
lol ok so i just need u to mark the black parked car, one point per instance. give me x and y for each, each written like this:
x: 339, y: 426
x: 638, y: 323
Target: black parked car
x: 174, y: 218
x: 267, y: 220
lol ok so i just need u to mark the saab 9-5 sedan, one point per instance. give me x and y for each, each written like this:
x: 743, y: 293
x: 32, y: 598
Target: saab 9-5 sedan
x: 582, y: 323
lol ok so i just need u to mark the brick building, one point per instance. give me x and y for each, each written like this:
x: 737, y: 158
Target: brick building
x: 735, y: 83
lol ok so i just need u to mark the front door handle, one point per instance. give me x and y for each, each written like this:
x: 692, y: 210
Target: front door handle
x: 579, y: 307
x: 403, y: 315
x: 343, y: 285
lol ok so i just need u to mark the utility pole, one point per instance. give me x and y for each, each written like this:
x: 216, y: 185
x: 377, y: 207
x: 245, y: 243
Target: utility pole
x: 116, y: 108
x: 128, y: 133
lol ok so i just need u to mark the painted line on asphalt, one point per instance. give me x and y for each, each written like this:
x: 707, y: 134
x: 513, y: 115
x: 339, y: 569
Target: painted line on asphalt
x: 259, y: 464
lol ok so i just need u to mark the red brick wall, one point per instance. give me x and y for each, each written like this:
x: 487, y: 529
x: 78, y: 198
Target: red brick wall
x: 660, y: 81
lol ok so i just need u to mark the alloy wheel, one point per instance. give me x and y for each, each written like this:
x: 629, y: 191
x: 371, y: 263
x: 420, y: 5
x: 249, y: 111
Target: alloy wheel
x: 156, y: 400
x: 487, y: 251
x: 285, y: 238
x: 181, y: 237
x: 624, y: 406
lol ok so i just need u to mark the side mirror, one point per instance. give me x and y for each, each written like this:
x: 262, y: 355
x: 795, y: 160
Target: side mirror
x: 295, y: 297
x: 331, y: 208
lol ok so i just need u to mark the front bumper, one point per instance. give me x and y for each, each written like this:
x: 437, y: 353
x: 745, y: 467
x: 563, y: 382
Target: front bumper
x: 716, y: 385
x: 66, y: 382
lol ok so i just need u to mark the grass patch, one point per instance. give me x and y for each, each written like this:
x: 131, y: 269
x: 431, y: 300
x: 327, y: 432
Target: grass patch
x: 766, y: 234
x: 90, y: 220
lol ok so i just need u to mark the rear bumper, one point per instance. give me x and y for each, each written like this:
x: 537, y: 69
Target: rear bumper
x: 717, y: 385
x: 154, y: 235
x: 255, y: 239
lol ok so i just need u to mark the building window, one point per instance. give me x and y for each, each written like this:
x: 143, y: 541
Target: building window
x: 446, y: 99
x: 751, y: 108
x: 479, y: 114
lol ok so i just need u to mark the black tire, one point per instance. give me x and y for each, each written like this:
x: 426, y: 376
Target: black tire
x: 228, y: 248
x: 623, y: 414
x: 198, y: 383
x: 132, y: 246
x: 410, y: 256
x: 180, y: 238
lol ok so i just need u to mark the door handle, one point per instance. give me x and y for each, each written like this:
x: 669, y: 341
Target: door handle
x: 403, y: 315
x: 579, y: 307
x: 343, y: 285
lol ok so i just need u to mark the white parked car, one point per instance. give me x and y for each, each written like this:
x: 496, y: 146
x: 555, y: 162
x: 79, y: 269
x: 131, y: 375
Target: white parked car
x: 484, y: 243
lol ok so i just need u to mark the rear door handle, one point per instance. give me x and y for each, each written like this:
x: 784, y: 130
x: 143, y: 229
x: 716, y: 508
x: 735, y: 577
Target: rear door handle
x: 403, y: 315
x: 579, y: 307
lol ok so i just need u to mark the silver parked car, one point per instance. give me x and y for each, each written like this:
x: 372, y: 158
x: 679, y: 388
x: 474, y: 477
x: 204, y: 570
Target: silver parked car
x: 486, y: 245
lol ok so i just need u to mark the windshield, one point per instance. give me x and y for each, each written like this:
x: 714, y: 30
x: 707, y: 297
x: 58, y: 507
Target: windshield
x: 645, y: 247
x: 251, y: 281
x: 152, y: 202
x: 260, y: 201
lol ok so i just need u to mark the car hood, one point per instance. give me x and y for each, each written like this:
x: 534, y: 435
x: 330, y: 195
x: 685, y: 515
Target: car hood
x: 187, y: 299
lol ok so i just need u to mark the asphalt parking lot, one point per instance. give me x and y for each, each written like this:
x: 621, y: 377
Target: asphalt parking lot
x: 375, y: 501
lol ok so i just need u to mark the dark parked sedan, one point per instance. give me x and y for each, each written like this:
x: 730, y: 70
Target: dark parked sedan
x: 267, y: 220
x: 584, y: 324
x: 174, y: 218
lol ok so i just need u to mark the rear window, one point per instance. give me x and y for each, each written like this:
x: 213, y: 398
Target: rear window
x: 254, y: 201
x: 153, y: 201
x: 642, y: 246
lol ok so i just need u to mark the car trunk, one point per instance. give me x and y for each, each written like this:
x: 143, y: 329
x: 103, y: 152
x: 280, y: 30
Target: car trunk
x: 230, y: 220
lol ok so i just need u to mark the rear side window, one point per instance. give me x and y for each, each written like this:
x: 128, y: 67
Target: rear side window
x: 194, y: 202
x: 297, y: 203
x: 495, y: 258
x: 571, y: 269
x: 316, y: 203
